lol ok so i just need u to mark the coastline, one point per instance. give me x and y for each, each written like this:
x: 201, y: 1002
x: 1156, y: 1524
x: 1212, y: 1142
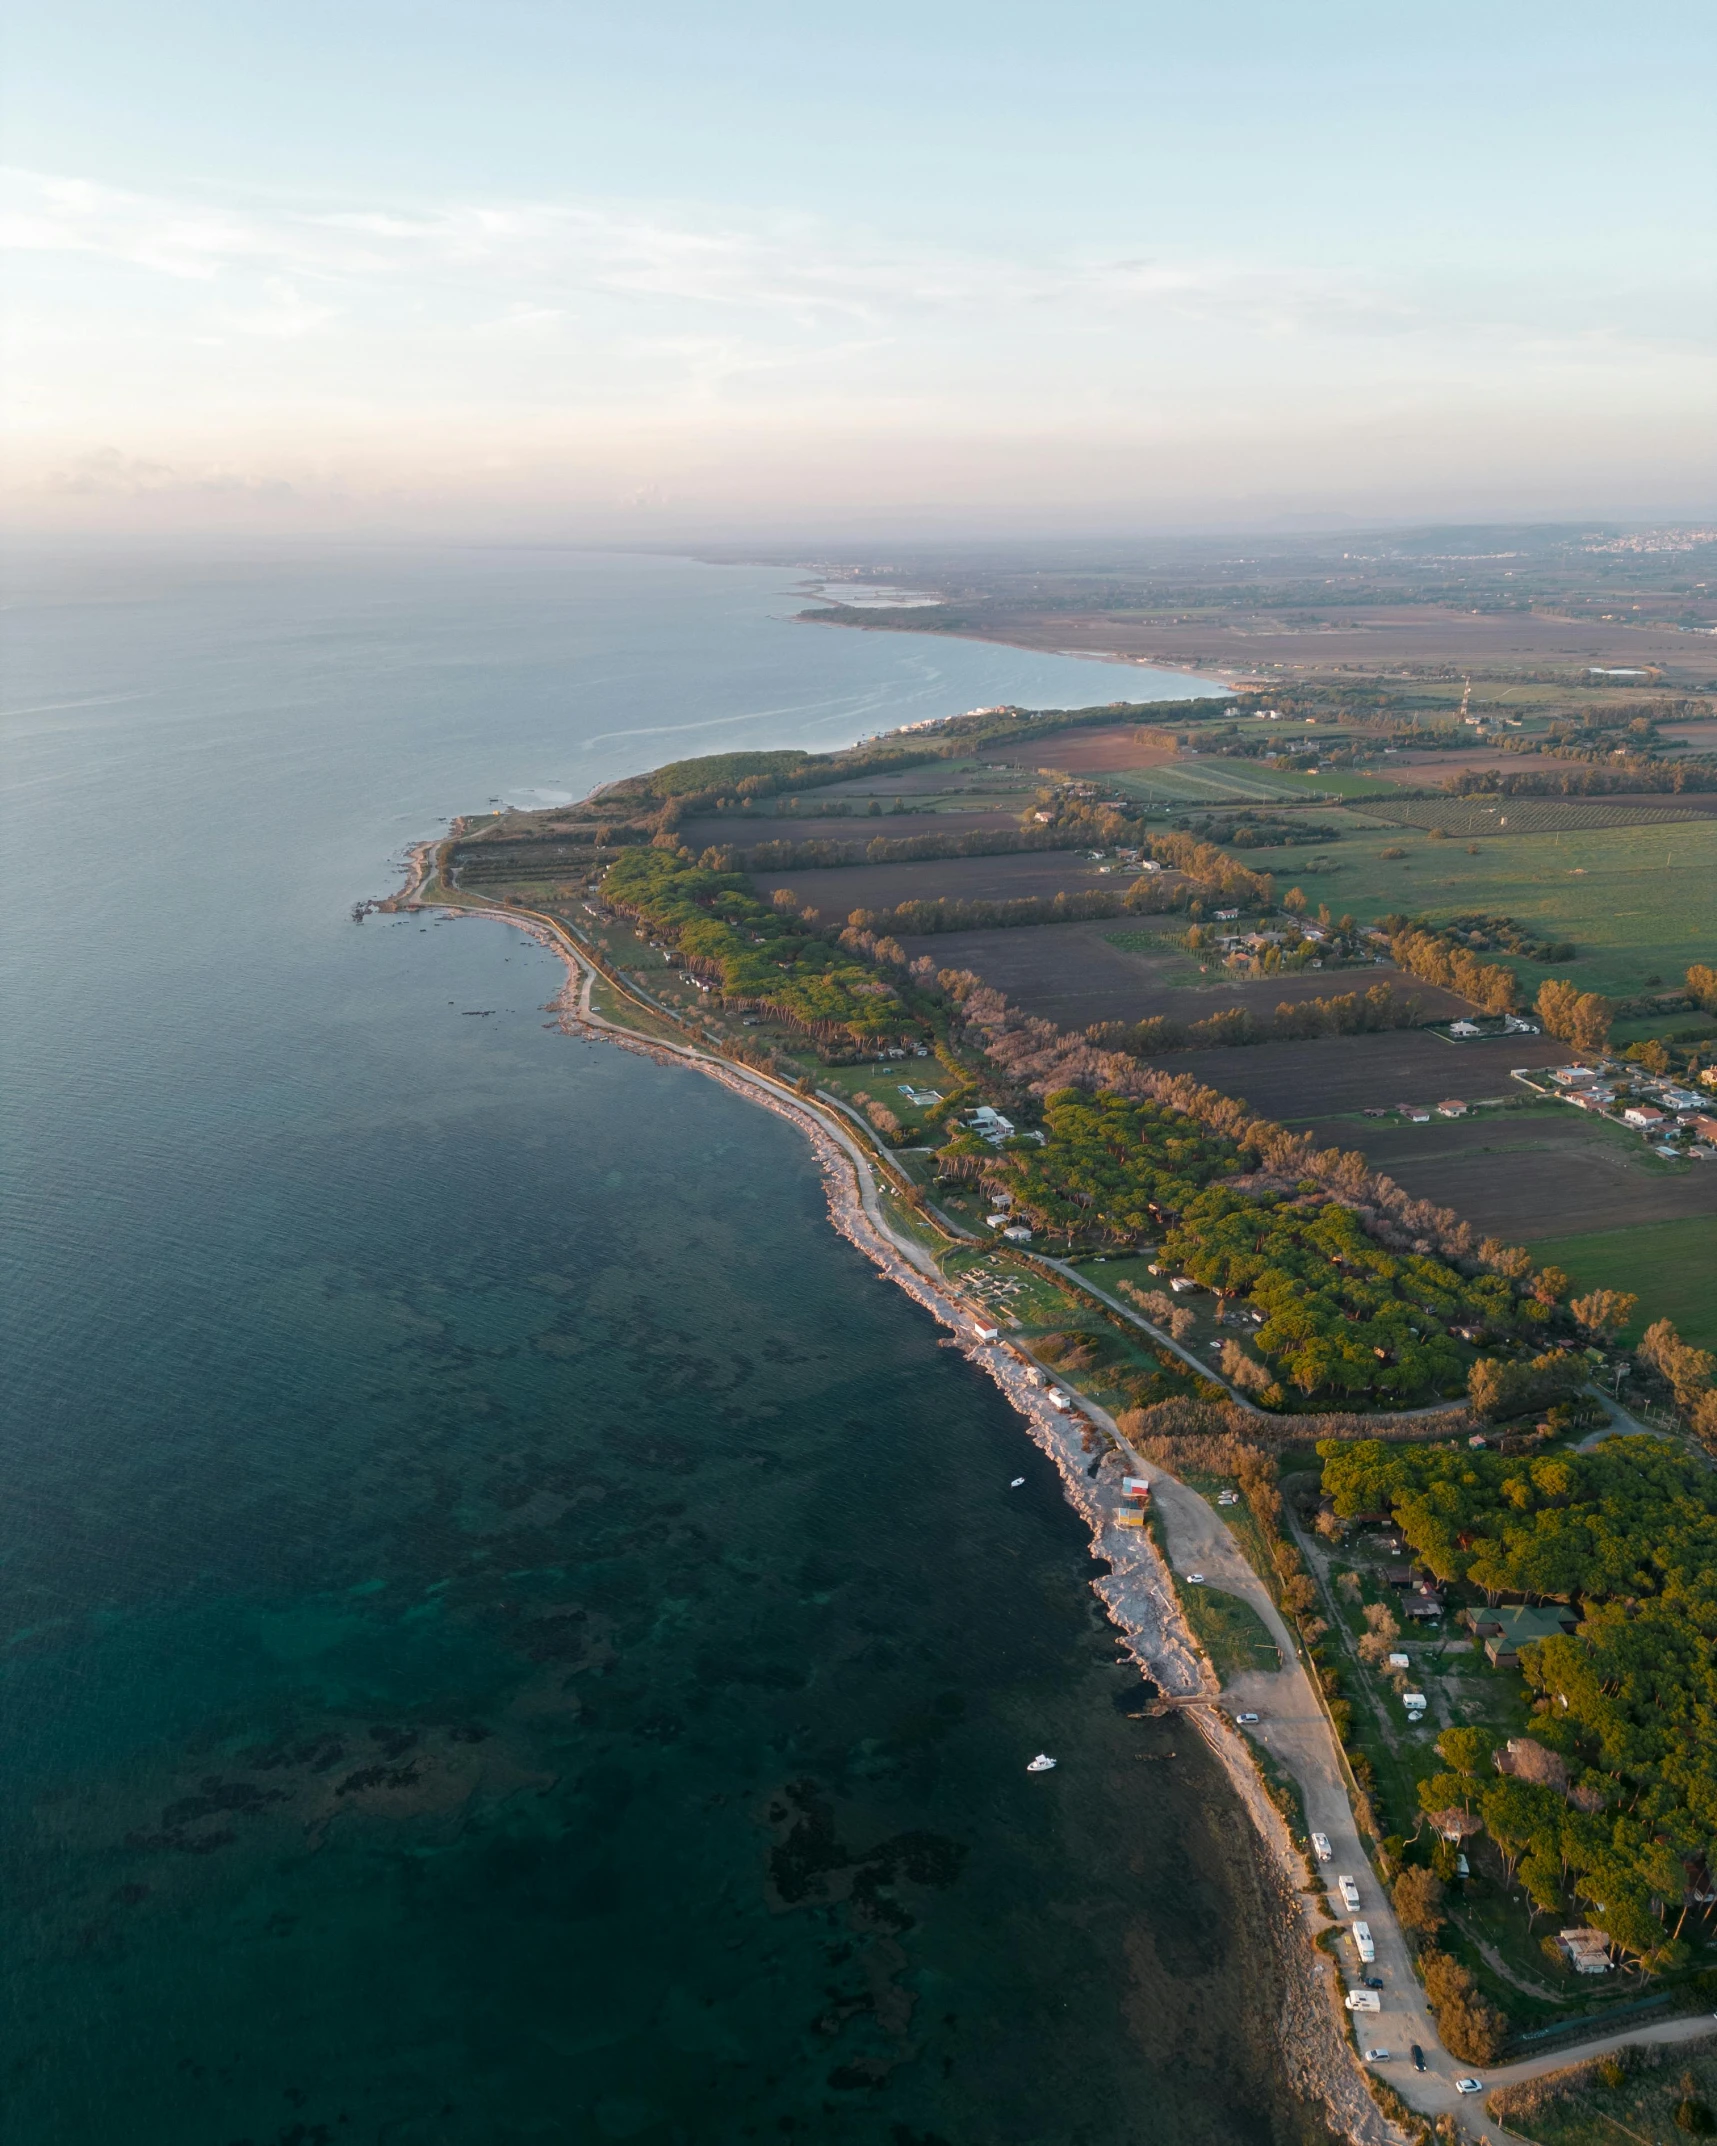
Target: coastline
x: 1137, y: 1590
x: 1226, y: 674
x: 1314, y: 2028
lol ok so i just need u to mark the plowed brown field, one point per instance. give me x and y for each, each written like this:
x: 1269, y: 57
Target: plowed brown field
x: 1531, y: 1176
x: 838, y: 889
x: 1074, y: 974
x: 1297, y: 1081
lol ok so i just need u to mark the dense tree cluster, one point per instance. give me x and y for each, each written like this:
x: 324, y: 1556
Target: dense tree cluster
x: 1614, y: 1797
x: 786, y: 855
x: 1343, y: 1316
x: 760, y: 955
x: 1213, y: 868
x: 729, y: 774
x: 1500, y: 1389
x: 1440, y: 959
x: 1482, y: 934
x: 1581, y: 1018
x: 1473, y: 2031
x: 1251, y: 829
x: 1347, y: 1013
x: 1631, y: 1518
x: 1640, y: 778
x: 920, y: 919
x: 1341, y: 1013
x: 1690, y: 1374
x: 1109, y: 1170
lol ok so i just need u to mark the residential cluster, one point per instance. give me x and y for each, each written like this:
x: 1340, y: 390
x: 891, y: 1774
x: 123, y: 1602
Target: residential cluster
x: 1676, y: 1120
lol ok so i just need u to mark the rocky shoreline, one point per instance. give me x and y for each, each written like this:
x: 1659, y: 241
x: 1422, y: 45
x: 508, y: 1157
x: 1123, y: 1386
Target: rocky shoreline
x: 1137, y: 1590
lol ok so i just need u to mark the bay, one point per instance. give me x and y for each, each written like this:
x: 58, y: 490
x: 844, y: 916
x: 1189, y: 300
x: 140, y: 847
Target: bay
x: 511, y: 1632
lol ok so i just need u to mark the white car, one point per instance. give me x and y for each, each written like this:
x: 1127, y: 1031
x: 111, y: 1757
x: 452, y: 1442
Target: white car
x: 1377, y: 2056
x: 1469, y: 2086
x: 1195, y: 1579
x: 1321, y: 1847
x: 1246, y: 1717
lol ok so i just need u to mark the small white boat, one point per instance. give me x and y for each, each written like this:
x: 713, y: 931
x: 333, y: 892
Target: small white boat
x: 1043, y: 1763
x: 1017, y: 1481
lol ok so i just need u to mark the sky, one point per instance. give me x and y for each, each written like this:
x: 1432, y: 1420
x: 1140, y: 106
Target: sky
x: 647, y: 271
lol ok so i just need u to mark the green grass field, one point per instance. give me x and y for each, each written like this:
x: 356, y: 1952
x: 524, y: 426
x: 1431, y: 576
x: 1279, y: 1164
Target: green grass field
x: 1328, y: 782
x: 1213, y: 782
x: 1637, y: 902
x: 1670, y: 1266
x: 1515, y: 816
x: 884, y: 1084
x: 1230, y: 1631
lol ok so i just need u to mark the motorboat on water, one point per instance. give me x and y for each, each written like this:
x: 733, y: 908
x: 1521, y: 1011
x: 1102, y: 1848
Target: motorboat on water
x: 1043, y: 1763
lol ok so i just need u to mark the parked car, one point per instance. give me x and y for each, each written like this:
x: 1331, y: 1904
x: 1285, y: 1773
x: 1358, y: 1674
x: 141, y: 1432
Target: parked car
x: 1246, y: 1717
x: 1469, y: 2086
x: 1195, y: 1579
x: 1321, y: 1847
x: 1418, y: 2056
x: 1377, y: 2056
x: 1374, y: 1982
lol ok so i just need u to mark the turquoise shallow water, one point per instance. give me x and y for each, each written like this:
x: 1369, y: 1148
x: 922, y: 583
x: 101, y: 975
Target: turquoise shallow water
x: 512, y: 1633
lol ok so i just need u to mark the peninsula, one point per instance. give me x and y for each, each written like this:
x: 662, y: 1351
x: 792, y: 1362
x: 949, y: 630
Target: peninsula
x: 1439, y: 1603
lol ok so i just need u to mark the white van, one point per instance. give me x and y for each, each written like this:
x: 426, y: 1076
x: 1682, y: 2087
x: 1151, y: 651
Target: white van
x: 1349, y: 1895
x: 1362, y: 1942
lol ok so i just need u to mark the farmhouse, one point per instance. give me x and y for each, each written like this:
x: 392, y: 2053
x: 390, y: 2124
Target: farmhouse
x: 1453, y: 1108
x: 1644, y: 1115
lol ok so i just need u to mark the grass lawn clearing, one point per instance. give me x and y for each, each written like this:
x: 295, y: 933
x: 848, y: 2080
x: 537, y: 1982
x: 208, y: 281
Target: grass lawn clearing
x: 1636, y: 901
x: 1230, y: 1631
x: 1670, y: 1266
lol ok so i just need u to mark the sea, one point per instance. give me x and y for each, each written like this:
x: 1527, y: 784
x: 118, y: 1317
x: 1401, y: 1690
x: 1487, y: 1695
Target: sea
x: 512, y: 1633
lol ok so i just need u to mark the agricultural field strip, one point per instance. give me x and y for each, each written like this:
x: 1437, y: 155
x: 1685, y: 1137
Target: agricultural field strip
x: 1192, y: 785
x: 1522, y: 815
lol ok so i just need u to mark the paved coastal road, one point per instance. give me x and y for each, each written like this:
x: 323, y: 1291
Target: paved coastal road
x: 1296, y: 1732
